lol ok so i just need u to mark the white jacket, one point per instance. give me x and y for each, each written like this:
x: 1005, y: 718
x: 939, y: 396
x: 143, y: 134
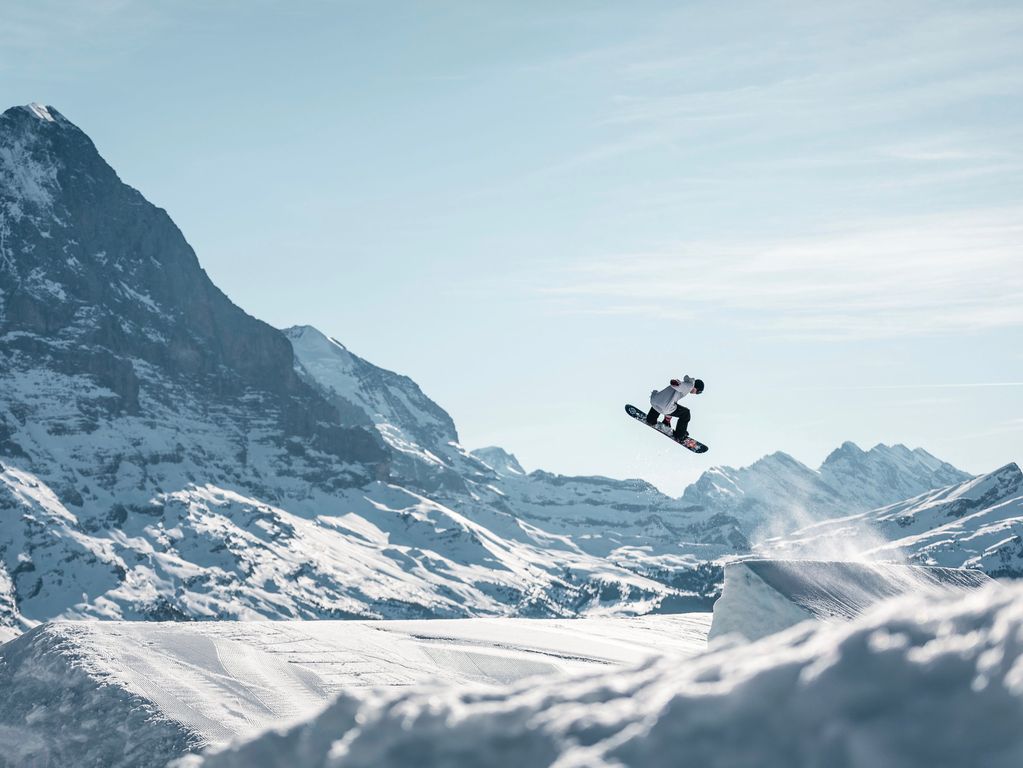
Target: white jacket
x: 665, y: 400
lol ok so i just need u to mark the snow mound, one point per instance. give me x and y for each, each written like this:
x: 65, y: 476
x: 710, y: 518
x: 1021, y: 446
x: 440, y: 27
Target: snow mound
x: 761, y: 597
x: 920, y: 682
x: 143, y: 693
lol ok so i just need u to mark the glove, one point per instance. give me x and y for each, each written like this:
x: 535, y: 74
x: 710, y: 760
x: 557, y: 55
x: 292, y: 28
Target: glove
x: 676, y: 383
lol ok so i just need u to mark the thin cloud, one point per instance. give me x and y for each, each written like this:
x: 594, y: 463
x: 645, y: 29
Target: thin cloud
x: 920, y: 276
x: 950, y: 385
x: 1005, y: 428
x: 681, y: 90
x: 31, y: 30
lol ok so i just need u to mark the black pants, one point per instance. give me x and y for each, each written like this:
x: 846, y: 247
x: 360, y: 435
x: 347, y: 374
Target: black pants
x: 681, y: 413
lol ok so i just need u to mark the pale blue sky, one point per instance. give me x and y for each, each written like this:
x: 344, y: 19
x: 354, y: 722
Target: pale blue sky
x: 542, y: 211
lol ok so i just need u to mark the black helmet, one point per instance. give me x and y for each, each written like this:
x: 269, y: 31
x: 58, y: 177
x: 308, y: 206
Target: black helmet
x: 698, y: 386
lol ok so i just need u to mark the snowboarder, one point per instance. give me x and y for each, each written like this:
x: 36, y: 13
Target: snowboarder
x: 665, y: 403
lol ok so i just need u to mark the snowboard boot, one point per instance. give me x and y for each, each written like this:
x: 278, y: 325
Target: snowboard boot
x: 651, y: 416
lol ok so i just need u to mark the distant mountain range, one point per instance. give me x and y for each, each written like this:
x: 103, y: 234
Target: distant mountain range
x: 974, y: 524
x: 166, y: 456
x: 778, y: 493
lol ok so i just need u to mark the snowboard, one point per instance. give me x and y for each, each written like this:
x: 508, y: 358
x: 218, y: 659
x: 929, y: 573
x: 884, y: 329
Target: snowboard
x: 693, y: 445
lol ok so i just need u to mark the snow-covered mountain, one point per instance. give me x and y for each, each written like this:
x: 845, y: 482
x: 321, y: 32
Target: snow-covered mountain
x: 778, y: 494
x: 165, y: 455
x: 96, y: 282
x: 885, y: 472
x: 600, y: 514
x: 628, y: 522
x: 974, y: 524
x: 421, y: 434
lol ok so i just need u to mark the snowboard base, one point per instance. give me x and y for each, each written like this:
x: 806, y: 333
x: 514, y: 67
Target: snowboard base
x: 693, y: 445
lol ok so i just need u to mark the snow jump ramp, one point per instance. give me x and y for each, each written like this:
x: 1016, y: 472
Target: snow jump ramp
x: 761, y: 597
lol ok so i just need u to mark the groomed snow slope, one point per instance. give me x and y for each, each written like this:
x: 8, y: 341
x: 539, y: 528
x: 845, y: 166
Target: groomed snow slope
x: 761, y: 597
x: 140, y: 693
x: 922, y: 681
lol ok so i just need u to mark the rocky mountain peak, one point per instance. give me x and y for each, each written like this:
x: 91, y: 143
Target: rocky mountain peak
x: 125, y: 279
x: 1004, y: 482
x: 43, y: 113
x: 97, y: 281
x: 500, y: 460
x: 844, y: 452
x: 886, y: 473
x: 777, y: 491
x: 395, y: 404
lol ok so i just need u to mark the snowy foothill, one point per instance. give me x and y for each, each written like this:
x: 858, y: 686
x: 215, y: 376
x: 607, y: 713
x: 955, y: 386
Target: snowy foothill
x: 920, y: 681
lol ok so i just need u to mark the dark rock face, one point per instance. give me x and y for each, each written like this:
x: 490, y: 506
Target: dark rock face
x: 97, y: 281
x: 420, y: 433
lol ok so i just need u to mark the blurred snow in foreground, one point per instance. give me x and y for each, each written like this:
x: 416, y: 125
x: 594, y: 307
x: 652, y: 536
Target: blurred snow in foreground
x: 921, y: 680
